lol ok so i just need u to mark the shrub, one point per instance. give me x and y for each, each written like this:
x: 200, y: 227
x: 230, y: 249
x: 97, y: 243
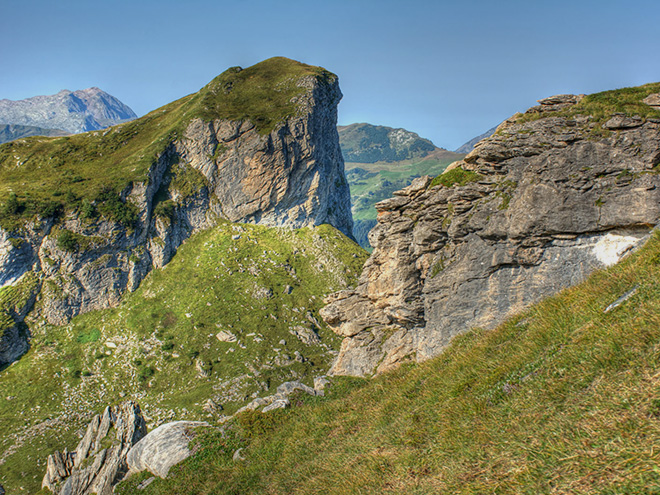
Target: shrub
x: 67, y: 241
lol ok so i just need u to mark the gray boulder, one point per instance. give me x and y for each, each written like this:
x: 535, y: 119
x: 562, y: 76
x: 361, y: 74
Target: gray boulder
x: 163, y: 448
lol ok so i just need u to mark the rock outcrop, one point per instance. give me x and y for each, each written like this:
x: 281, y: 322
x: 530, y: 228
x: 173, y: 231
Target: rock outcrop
x: 99, y: 460
x: 71, y: 111
x: 550, y: 197
x: 212, y: 170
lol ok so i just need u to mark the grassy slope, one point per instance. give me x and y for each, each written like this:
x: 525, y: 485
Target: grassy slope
x: 50, y: 174
x: 563, y: 398
x: 166, y: 329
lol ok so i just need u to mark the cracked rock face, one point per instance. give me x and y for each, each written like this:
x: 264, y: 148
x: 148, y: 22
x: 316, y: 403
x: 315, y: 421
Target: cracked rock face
x: 544, y: 203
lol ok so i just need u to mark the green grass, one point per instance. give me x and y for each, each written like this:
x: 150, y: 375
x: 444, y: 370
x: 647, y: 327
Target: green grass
x: 602, y: 105
x: 455, y: 177
x: 13, y: 298
x: 45, y: 177
x: 149, y: 348
x: 563, y: 398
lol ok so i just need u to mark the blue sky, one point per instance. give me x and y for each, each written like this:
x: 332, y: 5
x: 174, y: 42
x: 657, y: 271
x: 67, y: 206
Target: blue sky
x: 446, y: 70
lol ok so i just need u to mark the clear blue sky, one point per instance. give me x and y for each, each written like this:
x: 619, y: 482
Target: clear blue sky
x: 447, y: 70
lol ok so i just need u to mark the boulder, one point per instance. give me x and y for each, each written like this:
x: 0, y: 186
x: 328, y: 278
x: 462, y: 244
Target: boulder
x: 163, y: 448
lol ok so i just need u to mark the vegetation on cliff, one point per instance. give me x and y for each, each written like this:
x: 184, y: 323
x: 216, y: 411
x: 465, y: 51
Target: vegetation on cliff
x: 562, y: 398
x: 51, y: 176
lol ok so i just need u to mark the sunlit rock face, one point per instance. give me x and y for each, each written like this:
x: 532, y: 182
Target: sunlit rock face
x: 533, y: 209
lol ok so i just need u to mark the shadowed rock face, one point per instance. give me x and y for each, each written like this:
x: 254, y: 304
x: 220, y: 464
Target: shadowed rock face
x: 544, y: 204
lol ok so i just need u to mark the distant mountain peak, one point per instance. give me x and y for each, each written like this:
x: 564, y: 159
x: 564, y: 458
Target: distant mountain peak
x: 368, y: 143
x: 72, y: 111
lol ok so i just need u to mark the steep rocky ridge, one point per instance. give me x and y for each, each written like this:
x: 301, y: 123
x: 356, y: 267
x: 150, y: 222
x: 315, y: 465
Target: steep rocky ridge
x: 71, y: 111
x: 92, y: 214
x: 566, y: 188
x: 11, y: 132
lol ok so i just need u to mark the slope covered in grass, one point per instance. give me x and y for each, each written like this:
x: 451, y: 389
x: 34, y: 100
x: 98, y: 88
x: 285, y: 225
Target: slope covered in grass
x: 564, y: 398
x: 261, y: 287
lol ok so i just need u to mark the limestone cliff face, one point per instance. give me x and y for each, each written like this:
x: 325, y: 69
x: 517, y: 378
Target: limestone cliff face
x: 533, y: 209
x: 214, y: 170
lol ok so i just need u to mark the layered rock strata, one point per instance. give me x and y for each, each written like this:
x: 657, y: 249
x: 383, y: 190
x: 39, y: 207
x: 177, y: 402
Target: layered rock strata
x: 533, y: 209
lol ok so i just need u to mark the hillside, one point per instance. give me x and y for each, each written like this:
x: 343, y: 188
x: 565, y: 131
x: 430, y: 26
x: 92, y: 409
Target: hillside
x: 562, y: 398
x: 12, y: 132
x: 178, y: 260
x: 257, y: 288
x: 367, y: 143
x: 71, y: 111
x: 381, y: 160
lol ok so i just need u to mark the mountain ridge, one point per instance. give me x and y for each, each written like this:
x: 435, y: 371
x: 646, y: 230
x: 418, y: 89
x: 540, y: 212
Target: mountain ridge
x: 71, y: 111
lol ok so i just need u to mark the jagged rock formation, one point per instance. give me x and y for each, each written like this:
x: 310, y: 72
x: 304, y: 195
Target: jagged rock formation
x: 99, y: 460
x: 553, y: 195
x: 12, y: 132
x: 367, y: 143
x: 163, y: 448
x: 71, y: 111
x: 214, y: 162
x: 469, y: 146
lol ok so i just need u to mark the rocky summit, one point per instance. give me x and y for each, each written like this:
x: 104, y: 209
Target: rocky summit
x: 568, y: 187
x: 69, y: 111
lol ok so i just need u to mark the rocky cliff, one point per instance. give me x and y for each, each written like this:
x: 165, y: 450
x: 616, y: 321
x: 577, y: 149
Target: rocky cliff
x: 555, y: 193
x: 86, y: 217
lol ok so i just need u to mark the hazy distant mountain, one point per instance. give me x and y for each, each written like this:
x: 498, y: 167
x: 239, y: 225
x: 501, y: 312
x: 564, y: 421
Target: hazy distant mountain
x: 469, y: 146
x: 71, y: 111
x: 12, y: 132
x: 367, y: 143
